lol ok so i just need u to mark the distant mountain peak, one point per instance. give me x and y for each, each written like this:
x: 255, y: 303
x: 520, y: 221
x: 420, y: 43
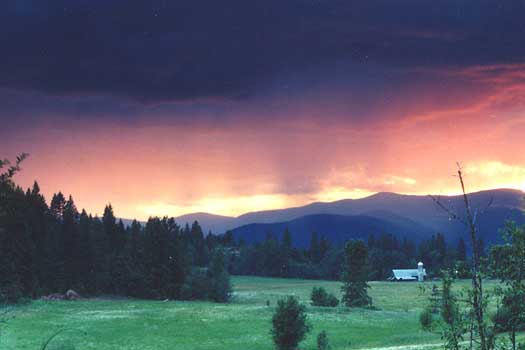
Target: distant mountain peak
x: 418, y: 209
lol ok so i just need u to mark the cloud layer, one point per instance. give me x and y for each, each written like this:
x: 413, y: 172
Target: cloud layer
x: 181, y: 50
x: 169, y: 107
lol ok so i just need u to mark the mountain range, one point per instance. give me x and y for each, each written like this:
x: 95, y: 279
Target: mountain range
x: 411, y: 216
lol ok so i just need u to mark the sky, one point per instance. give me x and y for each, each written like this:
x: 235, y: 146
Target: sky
x: 171, y: 107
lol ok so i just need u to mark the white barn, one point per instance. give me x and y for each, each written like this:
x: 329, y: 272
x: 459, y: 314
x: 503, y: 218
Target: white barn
x: 409, y: 274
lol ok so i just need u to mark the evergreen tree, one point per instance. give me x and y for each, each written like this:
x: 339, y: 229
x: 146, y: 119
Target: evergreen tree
x: 322, y: 341
x: 511, y: 270
x: 110, y: 228
x: 71, y: 243
x: 85, y: 254
x: 198, y: 243
x: 289, y: 324
x: 454, y: 324
x: 220, y: 286
x: 38, y: 218
x: 57, y: 205
x: 156, y: 258
x: 355, y: 275
x: 17, y: 277
x: 101, y: 257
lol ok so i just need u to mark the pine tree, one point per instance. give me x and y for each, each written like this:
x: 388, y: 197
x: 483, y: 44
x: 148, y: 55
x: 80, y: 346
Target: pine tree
x: 355, y: 275
x: 454, y: 323
x: 85, y: 254
x: 71, y: 242
x: 39, y: 221
x: 101, y: 257
x: 289, y: 324
x: 322, y: 341
x: 219, y: 278
x: 435, y: 299
x: 198, y: 243
x: 156, y: 258
x: 510, y: 317
x: 57, y: 205
x: 110, y: 228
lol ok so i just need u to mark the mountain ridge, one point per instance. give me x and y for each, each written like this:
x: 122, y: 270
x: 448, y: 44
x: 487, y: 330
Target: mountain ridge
x: 388, y: 207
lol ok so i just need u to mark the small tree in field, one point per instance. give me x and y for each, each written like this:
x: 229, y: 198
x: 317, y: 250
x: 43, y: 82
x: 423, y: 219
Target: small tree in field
x: 289, y: 326
x: 426, y: 320
x: 322, y: 341
x: 355, y: 275
x: 510, y: 268
x: 435, y: 299
x: 320, y: 297
x: 454, y: 322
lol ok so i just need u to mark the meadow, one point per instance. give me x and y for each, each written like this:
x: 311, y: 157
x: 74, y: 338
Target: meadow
x: 244, y: 324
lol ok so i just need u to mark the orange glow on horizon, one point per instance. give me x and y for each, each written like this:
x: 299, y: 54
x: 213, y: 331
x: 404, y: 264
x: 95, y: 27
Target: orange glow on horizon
x: 288, y: 156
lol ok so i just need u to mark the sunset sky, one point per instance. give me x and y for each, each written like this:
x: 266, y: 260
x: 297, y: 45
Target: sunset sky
x: 172, y: 107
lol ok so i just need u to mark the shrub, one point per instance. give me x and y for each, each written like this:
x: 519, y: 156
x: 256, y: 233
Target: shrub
x: 289, y: 326
x: 322, y: 341
x: 320, y: 297
x: 425, y: 320
x: 503, y: 320
x: 331, y: 300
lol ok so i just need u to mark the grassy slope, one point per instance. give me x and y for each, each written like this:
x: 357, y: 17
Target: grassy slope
x: 241, y: 325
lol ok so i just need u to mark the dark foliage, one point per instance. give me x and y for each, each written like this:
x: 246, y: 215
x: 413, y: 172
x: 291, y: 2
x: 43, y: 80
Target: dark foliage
x: 289, y: 326
x: 322, y: 341
x: 508, y: 263
x: 322, y: 260
x: 355, y: 275
x: 320, y: 297
x: 46, y: 250
x: 426, y: 319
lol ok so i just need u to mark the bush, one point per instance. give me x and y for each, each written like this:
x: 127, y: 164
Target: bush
x: 320, y: 297
x: 503, y: 322
x: 289, y: 326
x: 322, y: 341
x: 425, y: 320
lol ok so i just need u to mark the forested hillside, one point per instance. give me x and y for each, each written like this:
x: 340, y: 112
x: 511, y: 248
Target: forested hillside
x: 50, y: 249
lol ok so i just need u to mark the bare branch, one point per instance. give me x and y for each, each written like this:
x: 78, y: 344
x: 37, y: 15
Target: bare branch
x: 452, y: 215
x: 12, y: 169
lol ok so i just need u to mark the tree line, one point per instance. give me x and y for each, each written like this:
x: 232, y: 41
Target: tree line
x: 323, y: 260
x: 49, y: 249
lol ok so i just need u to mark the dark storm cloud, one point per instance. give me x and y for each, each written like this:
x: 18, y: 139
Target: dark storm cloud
x: 184, y: 50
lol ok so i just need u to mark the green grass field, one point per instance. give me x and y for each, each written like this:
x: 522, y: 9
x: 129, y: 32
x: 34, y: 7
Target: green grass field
x: 243, y: 324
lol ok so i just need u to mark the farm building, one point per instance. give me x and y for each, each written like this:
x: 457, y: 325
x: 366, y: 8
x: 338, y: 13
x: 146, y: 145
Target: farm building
x: 409, y: 274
